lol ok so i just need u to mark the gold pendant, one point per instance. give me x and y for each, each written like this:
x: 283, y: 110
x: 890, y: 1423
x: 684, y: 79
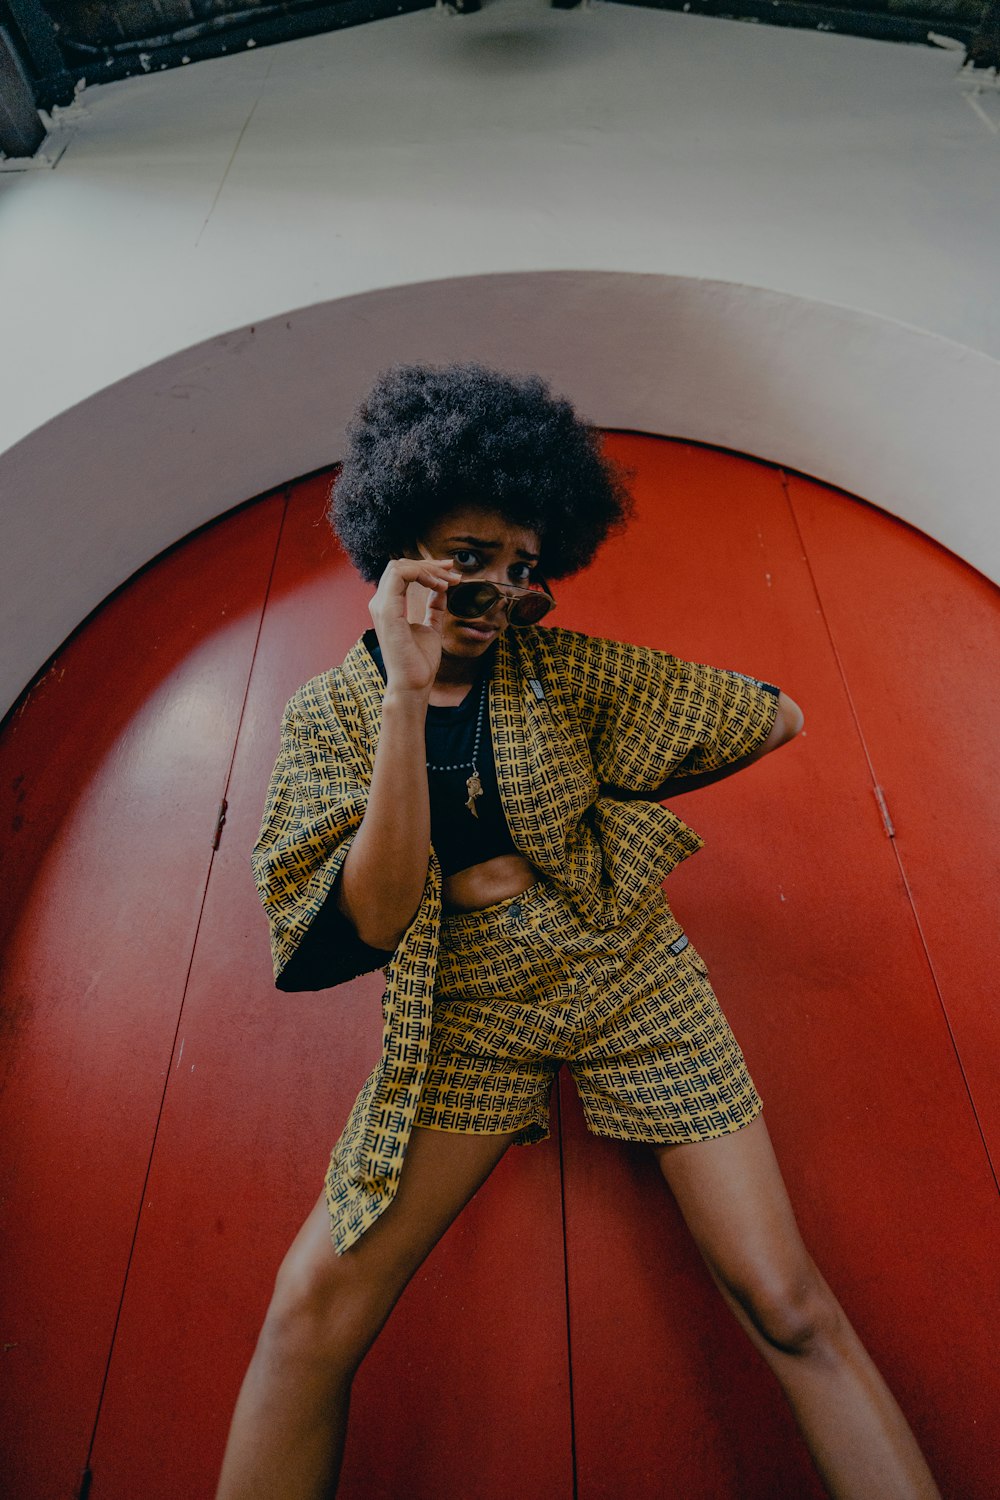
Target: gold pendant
x: 474, y: 787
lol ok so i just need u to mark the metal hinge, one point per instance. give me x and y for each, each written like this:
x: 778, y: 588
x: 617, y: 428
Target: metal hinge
x: 883, y: 808
x: 220, y: 823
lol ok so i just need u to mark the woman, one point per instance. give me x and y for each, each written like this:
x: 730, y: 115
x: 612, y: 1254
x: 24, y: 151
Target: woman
x: 471, y: 801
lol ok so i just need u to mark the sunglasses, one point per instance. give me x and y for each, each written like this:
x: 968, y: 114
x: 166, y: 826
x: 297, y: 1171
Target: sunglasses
x: 477, y: 597
x: 469, y: 601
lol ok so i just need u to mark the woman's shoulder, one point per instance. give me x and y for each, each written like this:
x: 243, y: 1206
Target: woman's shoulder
x: 560, y: 641
x: 332, y: 696
x: 577, y: 651
x: 315, y: 698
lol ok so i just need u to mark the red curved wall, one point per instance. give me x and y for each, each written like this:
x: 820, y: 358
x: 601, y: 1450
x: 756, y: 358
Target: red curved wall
x: 167, y: 1116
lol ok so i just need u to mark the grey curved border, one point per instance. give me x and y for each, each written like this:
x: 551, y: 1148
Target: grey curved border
x: 902, y: 417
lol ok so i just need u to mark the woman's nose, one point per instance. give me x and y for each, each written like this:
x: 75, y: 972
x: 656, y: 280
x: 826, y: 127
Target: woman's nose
x: 498, y: 613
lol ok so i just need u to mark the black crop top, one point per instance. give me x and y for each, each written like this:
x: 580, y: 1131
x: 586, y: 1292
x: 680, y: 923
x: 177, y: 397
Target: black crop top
x: 459, y: 839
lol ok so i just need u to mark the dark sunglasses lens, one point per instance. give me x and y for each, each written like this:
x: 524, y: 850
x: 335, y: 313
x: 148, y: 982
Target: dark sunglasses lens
x: 529, y: 609
x: 468, y: 601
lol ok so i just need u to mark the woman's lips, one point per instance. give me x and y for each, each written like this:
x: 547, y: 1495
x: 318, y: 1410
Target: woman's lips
x: 477, y: 632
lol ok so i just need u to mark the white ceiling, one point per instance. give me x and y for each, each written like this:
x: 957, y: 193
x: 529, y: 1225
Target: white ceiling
x: 841, y: 173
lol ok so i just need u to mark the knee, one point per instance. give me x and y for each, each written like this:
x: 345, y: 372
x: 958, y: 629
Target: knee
x: 794, y: 1313
x: 320, y: 1312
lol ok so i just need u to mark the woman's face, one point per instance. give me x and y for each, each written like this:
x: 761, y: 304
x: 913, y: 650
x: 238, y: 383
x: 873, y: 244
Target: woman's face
x: 483, y: 544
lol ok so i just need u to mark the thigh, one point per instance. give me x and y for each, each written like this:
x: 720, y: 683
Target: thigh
x: 440, y: 1174
x: 734, y: 1201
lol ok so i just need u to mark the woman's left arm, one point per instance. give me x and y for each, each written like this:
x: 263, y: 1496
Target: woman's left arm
x: 788, y: 721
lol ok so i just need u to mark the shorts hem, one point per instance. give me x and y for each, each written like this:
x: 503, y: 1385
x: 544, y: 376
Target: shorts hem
x: 525, y: 1135
x: 663, y: 1139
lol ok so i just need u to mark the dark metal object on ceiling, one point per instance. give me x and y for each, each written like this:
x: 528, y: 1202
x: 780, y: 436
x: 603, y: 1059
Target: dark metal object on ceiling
x: 33, y: 38
x: 983, y: 51
x: 108, y: 28
x: 103, y: 29
x: 21, y: 128
x: 97, y: 41
x: 884, y: 20
x: 52, y: 46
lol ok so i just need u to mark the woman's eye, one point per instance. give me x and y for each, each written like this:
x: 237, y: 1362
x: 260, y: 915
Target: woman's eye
x: 521, y: 573
x: 467, y: 559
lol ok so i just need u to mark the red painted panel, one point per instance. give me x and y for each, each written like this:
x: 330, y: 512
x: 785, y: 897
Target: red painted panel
x: 113, y: 770
x: 929, y: 708
x: 798, y: 906
x: 798, y: 902
x: 467, y: 1390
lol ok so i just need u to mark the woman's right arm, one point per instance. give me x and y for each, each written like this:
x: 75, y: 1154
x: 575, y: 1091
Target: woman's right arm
x: 382, y: 880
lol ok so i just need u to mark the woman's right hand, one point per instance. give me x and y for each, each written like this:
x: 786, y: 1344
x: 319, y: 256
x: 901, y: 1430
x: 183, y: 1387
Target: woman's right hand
x: 411, y: 650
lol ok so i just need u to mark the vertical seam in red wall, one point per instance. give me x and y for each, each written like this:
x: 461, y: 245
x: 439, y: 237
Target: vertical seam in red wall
x: 877, y: 788
x: 180, y: 1010
x: 246, y: 690
x: 569, y: 1331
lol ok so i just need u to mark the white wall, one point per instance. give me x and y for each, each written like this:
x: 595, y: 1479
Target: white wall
x: 779, y: 241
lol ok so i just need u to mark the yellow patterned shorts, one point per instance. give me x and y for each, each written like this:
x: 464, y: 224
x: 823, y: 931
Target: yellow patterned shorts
x: 526, y: 985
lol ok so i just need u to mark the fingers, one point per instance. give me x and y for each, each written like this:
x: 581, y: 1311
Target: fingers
x: 434, y: 611
x: 431, y: 572
x: 402, y: 592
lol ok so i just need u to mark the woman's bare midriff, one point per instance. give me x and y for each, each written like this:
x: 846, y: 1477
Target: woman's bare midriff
x: 483, y: 885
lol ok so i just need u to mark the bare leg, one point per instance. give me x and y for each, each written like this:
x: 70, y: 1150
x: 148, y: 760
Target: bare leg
x: 732, y: 1196
x: 287, y: 1436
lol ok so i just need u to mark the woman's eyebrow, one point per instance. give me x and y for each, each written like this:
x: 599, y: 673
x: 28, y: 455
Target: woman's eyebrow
x: 477, y: 541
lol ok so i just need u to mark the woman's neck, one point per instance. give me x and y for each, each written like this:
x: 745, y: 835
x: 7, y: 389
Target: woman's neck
x: 457, y: 674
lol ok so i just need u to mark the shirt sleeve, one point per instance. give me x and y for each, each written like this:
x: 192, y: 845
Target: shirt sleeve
x: 650, y: 716
x: 313, y: 809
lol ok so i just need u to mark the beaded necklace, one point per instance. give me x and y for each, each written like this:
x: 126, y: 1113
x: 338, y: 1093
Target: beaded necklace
x: 473, y: 785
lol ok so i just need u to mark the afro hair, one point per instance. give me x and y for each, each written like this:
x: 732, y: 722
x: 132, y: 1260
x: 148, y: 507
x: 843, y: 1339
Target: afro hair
x: 429, y: 439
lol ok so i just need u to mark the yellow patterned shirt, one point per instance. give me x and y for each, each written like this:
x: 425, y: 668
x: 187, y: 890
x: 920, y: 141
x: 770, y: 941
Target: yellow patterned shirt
x: 585, y: 731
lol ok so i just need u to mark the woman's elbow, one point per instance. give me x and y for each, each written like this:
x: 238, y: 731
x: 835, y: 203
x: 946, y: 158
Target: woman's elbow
x: 788, y: 720
x: 378, y: 929
x: 380, y: 938
x: 372, y: 924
